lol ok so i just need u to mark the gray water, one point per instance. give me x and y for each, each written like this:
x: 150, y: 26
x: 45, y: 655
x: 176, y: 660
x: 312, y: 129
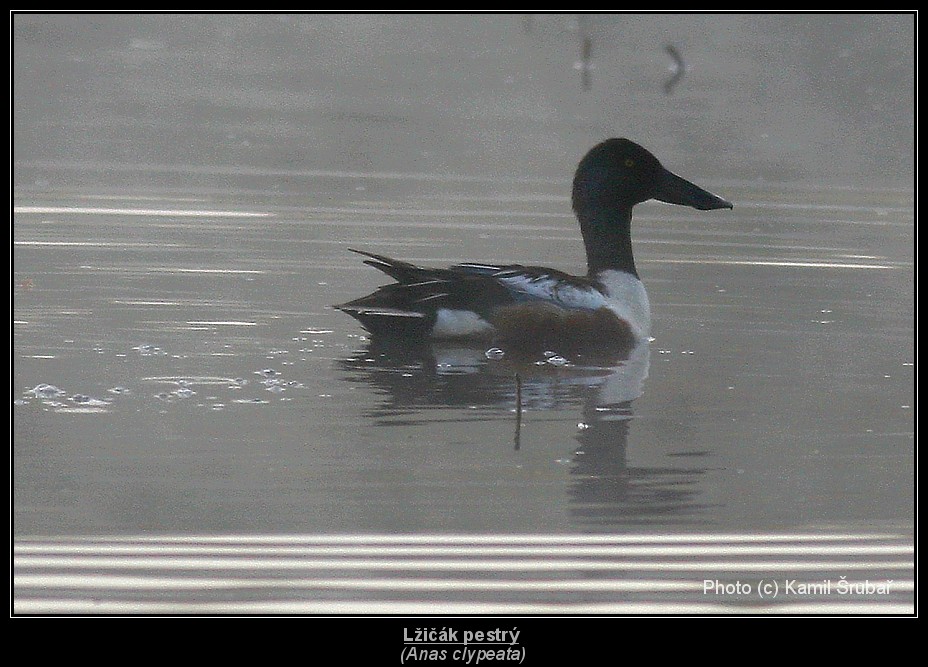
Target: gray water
x: 186, y: 189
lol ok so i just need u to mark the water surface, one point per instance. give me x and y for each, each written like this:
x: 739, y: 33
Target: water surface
x: 186, y: 189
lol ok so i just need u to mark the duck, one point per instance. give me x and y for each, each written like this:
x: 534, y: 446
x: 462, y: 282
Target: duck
x: 531, y: 307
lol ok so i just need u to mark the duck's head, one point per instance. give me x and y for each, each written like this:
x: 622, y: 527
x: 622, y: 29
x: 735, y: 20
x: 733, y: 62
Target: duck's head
x: 618, y: 173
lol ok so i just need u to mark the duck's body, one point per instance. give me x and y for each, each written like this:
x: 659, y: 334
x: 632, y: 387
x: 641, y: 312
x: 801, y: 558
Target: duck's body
x: 513, y: 304
x: 534, y: 306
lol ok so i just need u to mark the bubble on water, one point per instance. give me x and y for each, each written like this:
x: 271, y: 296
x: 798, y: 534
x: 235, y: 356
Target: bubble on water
x: 548, y: 354
x: 163, y: 396
x: 252, y: 401
x: 46, y: 391
x: 80, y: 398
x: 184, y: 392
x: 118, y: 390
x: 276, y: 388
x: 20, y: 401
x: 582, y: 426
x: 267, y: 372
x: 494, y: 353
x: 558, y: 360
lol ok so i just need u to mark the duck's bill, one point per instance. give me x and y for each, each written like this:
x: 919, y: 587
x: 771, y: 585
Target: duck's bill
x: 676, y: 190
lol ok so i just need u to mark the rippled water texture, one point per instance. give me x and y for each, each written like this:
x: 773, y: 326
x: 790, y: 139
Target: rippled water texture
x: 186, y: 190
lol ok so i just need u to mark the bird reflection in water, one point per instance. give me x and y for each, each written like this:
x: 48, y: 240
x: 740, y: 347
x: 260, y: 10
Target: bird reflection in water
x: 604, y: 490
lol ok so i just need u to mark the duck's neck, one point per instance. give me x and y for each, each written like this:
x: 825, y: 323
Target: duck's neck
x: 607, y: 236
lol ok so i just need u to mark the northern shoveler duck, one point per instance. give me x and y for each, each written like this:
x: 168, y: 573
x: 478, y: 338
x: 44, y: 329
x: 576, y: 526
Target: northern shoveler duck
x: 519, y: 305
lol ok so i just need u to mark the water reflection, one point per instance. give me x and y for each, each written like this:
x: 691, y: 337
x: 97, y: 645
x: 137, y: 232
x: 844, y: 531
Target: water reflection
x: 585, y: 65
x: 677, y: 68
x: 604, y: 490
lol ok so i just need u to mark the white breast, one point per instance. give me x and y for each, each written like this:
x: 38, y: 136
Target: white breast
x: 626, y: 297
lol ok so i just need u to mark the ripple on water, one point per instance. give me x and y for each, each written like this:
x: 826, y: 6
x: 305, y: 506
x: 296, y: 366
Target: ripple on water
x: 186, y: 387
x: 88, y: 401
x: 146, y: 350
x: 76, y: 403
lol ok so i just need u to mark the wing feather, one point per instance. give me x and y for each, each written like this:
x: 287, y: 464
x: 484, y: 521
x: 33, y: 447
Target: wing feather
x: 420, y: 293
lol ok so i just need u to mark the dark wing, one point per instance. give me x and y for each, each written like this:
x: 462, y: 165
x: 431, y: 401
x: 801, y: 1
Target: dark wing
x: 554, y: 288
x: 409, y: 306
x: 534, y: 282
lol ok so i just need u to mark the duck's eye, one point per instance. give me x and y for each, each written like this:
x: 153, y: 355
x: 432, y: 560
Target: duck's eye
x: 629, y: 162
